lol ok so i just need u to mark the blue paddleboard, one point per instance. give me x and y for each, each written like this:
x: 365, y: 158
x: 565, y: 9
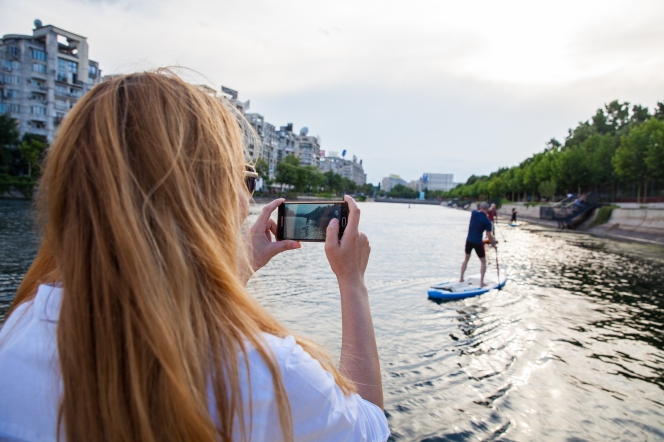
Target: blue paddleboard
x: 449, y: 290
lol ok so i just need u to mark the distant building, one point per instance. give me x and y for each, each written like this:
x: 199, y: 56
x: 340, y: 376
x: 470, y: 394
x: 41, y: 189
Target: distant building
x: 353, y: 170
x: 437, y: 181
x: 232, y: 95
x: 389, y: 182
x: 43, y: 75
x: 266, y: 147
x: 415, y: 185
x: 285, y: 142
x: 307, y: 148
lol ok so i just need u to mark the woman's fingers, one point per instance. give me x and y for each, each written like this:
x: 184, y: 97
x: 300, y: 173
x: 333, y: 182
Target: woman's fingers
x: 271, y: 227
x: 353, y: 215
x: 267, y: 211
x: 332, y: 234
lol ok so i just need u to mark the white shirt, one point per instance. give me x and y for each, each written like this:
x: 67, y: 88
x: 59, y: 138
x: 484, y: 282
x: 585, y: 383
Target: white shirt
x: 31, y: 386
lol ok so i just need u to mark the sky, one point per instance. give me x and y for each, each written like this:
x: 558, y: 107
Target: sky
x: 410, y: 87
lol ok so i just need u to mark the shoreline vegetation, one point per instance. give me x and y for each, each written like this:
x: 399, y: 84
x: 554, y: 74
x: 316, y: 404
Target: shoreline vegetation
x: 618, y: 154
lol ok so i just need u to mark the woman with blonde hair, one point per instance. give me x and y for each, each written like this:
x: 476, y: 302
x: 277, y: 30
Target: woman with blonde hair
x: 134, y: 323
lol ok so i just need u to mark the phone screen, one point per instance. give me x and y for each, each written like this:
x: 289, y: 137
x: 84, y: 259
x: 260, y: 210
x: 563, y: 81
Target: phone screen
x: 309, y: 221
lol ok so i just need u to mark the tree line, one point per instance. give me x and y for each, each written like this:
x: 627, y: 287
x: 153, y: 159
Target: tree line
x: 308, y: 179
x: 619, y: 150
x: 20, y: 158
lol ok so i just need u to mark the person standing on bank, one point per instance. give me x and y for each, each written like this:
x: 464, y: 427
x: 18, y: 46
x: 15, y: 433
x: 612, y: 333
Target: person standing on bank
x: 513, y: 220
x: 134, y: 323
x: 479, y: 222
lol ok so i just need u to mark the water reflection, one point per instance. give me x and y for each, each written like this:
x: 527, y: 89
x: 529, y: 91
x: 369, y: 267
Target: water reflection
x: 570, y: 349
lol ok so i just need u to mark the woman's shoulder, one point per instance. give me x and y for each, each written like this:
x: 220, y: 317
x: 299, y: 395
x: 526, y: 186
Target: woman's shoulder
x: 320, y: 409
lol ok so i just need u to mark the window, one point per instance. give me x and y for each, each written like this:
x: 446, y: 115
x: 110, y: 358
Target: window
x: 38, y: 54
x: 75, y: 92
x: 38, y: 110
x: 12, y: 65
x: 39, y: 67
x: 13, y: 107
x: 13, y: 50
x: 12, y: 79
x: 62, y: 64
x: 60, y: 90
x: 3, y: 108
x: 60, y: 104
x: 8, y: 65
x: 73, y: 66
x: 61, y: 76
x: 11, y: 93
x: 92, y: 71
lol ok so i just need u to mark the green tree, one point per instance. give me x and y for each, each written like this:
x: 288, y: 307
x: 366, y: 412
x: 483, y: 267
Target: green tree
x: 289, y: 172
x: 313, y: 178
x: 263, y: 170
x: 548, y: 189
x: 332, y: 182
x: 9, y: 155
x: 629, y: 160
x: 655, y: 151
x: 572, y: 169
x: 496, y: 187
x: 31, y: 152
x: 401, y: 191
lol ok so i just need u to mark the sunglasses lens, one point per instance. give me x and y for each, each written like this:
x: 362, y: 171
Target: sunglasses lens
x: 251, y: 184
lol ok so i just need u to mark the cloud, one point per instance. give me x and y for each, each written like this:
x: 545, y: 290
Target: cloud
x: 423, y: 86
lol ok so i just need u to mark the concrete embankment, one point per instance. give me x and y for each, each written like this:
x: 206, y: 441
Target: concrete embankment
x: 528, y: 213
x: 645, y: 225
x: 631, y: 222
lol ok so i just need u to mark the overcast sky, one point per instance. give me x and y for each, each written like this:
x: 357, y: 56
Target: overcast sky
x: 410, y: 87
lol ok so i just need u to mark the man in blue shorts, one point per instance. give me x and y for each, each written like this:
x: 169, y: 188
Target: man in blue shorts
x: 479, y: 222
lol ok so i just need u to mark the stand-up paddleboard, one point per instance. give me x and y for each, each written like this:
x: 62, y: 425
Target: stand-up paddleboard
x: 514, y: 224
x: 470, y: 287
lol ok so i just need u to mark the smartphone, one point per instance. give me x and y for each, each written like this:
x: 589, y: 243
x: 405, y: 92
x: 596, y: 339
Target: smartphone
x: 308, y: 221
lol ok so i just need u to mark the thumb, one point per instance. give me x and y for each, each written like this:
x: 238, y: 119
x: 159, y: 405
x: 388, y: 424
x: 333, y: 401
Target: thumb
x: 332, y: 233
x: 287, y: 244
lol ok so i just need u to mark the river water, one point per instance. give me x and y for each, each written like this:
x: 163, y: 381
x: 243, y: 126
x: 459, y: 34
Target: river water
x: 571, y: 349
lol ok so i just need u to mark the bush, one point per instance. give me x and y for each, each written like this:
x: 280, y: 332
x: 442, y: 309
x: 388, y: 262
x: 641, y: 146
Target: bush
x: 603, y: 215
x: 324, y: 195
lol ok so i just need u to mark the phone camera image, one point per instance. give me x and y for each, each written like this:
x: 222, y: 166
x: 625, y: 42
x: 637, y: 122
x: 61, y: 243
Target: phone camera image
x: 309, y: 221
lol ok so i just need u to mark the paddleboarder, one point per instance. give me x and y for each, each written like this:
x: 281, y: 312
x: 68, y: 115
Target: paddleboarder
x: 492, y: 213
x: 479, y: 222
x: 513, y: 220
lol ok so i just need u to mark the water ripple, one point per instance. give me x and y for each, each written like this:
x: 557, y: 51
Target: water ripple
x: 571, y: 349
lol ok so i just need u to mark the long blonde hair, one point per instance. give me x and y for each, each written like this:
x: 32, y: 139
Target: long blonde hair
x: 142, y: 205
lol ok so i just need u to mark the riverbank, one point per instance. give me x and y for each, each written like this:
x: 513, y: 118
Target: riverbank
x: 628, y: 222
x: 629, y: 231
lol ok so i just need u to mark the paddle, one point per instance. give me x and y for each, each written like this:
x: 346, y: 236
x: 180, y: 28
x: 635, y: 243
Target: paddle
x: 496, y: 247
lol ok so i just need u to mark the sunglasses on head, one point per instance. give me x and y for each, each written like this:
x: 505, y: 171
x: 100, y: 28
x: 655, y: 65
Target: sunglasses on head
x: 250, y: 177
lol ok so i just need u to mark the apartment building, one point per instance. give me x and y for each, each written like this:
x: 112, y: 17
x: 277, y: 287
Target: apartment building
x: 389, y: 182
x: 307, y: 148
x: 437, y: 181
x: 267, y: 138
x: 43, y: 75
x: 353, y: 170
x: 286, y: 140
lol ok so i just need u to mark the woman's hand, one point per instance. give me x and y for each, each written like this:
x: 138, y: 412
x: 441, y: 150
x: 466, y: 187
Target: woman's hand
x: 348, y: 257
x: 263, y: 248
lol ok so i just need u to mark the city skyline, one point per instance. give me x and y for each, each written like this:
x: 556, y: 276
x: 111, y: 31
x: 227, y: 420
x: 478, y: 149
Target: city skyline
x: 460, y: 89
